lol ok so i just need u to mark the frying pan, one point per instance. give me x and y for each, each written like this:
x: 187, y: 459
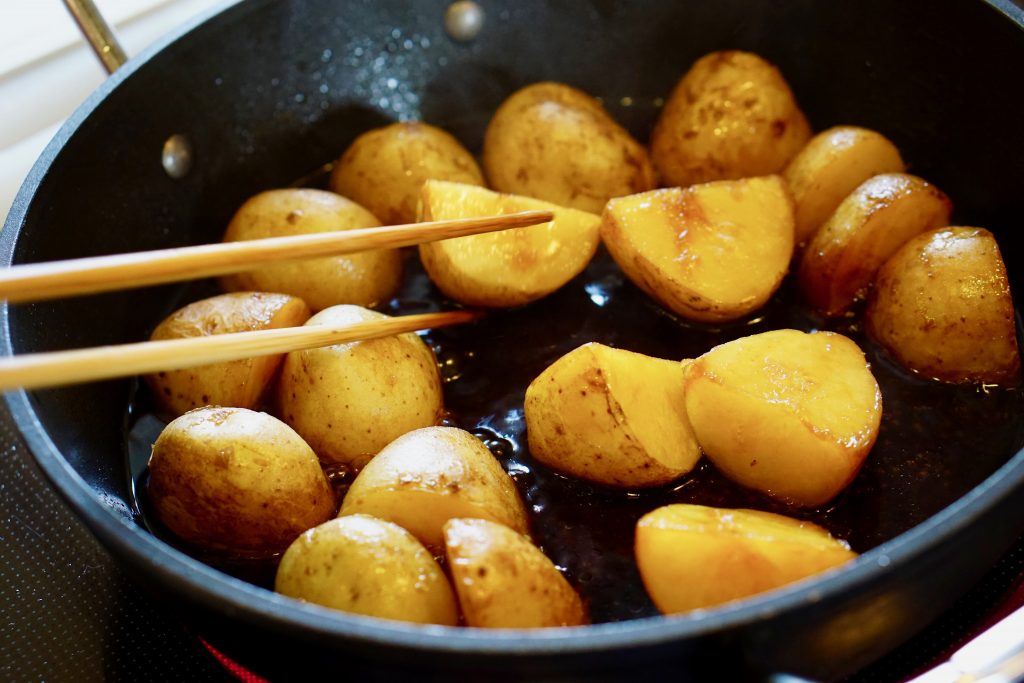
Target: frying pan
x: 266, y: 92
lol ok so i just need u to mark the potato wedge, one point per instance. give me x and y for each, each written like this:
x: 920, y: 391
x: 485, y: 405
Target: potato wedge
x: 363, y: 565
x: 839, y: 265
x: 554, y: 142
x: 428, y: 476
x: 830, y: 167
x: 504, y: 581
x: 611, y: 416
x: 790, y: 414
x: 693, y: 557
x: 942, y: 307
x: 732, y: 115
x: 510, y: 267
x: 711, y: 252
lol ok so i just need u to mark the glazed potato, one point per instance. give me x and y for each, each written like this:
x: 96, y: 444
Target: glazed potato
x: 240, y: 383
x: 711, y: 252
x: 509, y: 267
x: 731, y: 116
x: 942, y: 307
x: 384, y: 168
x: 365, y: 278
x: 428, y: 476
x: 504, y: 581
x: 839, y: 265
x: 231, y: 479
x: 790, y: 414
x: 557, y: 143
x: 331, y: 564
x: 692, y: 557
x: 830, y: 167
x: 611, y: 416
x: 350, y: 400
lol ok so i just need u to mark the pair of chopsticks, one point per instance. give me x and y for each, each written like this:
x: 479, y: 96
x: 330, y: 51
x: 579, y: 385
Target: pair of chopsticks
x: 36, y: 282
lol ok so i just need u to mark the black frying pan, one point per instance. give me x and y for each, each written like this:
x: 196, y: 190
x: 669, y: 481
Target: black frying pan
x: 269, y: 91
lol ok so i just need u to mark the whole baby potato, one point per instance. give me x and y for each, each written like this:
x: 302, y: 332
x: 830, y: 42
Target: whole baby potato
x: 231, y: 479
x: 363, y: 565
x: 732, y: 115
x: 557, y: 143
x: 350, y: 400
x: 240, y: 383
x: 365, y: 278
x: 385, y: 168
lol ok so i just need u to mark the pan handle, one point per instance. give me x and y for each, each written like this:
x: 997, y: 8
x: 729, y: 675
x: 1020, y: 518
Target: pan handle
x: 98, y: 32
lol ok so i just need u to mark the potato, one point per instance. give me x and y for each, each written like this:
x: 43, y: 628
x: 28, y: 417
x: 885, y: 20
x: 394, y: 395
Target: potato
x: 234, y: 480
x: 830, y: 167
x: 240, y: 383
x: 790, y: 414
x: 365, y: 278
x: 942, y: 307
x: 504, y: 581
x: 509, y: 267
x: 691, y: 556
x: 384, y: 168
x: 428, y: 476
x: 711, y: 252
x: 368, y: 566
x: 611, y: 416
x: 732, y: 115
x: 557, y: 143
x: 350, y: 400
x: 839, y: 264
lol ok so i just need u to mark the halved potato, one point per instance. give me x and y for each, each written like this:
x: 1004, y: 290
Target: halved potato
x: 711, y: 252
x: 509, y: 267
x: 692, y: 557
x: 885, y: 211
x: 611, y: 416
x: 942, y: 307
x: 504, y: 581
x: 790, y: 414
x: 830, y: 167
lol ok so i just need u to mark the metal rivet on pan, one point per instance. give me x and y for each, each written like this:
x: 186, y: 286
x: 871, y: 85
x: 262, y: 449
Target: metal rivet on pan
x: 463, y: 20
x: 176, y: 156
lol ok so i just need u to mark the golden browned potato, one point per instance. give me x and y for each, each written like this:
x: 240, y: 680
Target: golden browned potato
x: 611, y: 416
x: 384, y: 168
x: 732, y: 115
x: 350, y: 400
x: 839, y: 264
x: 365, y: 278
x: 710, y: 252
x: 942, y: 307
x: 790, y: 414
x: 557, y: 143
x: 240, y: 383
x: 692, y: 557
x: 504, y: 581
x: 426, y: 477
x: 509, y: 267
x: 830, y: 167
x: 368, y: 566
x: 231, y: 479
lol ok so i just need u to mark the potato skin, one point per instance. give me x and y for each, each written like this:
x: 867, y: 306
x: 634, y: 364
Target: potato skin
x: 241, y: 383
x: 554, y: 142
x: 365, y: 278
x: 732, y: 115
x: 330, y: 565
x: 384, y: 168
x: 942, y: 307
x: 234, y: 480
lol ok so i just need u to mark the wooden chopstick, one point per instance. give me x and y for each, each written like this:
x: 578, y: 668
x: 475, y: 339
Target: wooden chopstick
x: 39, y: 370
x: 38, y: 281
